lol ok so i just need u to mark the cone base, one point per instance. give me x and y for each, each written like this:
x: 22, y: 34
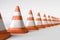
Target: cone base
x: 40, y: 26
x: 53, y: 24
x: 45, y: 25
x: 56, y: 24
x: 4, y: 36
x: 31, y: 28
x: 17, y: 30
x: 49, y: 25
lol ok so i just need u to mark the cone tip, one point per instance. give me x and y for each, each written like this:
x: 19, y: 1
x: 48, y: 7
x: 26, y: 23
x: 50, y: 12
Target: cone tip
x: 52, y: 17
x: 17, y: 9
x: 48, y: 16
x: 44, y: 15
x: 38, y: 14
x: 30, y: 12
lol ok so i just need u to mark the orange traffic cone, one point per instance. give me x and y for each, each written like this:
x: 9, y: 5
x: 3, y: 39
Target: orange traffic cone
x: 39, y: 21
x: 30, y: 25
x: 44, y: 21
x: 49, y: 21
x: 56, y: 20
x: 53, y: 21
x: 59, y: 21
x: 17, y: 26
x: 3, y: 32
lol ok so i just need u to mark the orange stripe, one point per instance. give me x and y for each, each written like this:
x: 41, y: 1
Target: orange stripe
x: 49, y: 20
x: 0, y: 16
x: 30, y: 18
x: 38, y: 19
x: 44, y: 15
x: 38, y: 14
x: 52, y: 17
x: 48, y: 16
x: 17, y: 18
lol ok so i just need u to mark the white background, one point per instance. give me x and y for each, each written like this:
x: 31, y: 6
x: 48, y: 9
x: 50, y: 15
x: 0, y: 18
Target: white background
x: 50, y: 7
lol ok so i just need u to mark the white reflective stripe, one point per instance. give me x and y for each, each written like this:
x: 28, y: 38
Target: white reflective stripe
x: 43, y: 18
x: 2, y: 27
x: 58, y: 22
x: 49, y: 22
x: 53, y: 22
x: 17, y: 24
x: 30, y: 23
x: 17, y: 14
x: 48, y: 18
x: 44, y: 22
x: 30, y: 16
x: 38, y: 17
x: 38, y: 22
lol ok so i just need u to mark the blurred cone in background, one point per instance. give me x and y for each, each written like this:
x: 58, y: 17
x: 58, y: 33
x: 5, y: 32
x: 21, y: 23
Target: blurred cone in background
x: 59, y: 21
x: 49, y: 21
x: 39, y: 21
x: 44, y: 21
x: 3, y: 32
x: 56, y: 20
x: 30, y: 25
x: 17, y: 25
x: 53, y: 21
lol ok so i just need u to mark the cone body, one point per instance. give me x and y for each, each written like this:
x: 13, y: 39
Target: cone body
x: 58, y: 21
x: 39, y: 21
x: 30, y: 25
x: 53, y: 21
x: 17, y: 25
x: 44, y: 21
x: 49, y: 21
x: 3, y: 32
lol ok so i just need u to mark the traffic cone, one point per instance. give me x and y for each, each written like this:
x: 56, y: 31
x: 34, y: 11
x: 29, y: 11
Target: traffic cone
x: 3, y: 32
x: 17, y: 26
x: 49, y: 21
x: 30, y: 25
x: 56, y: 20
x: 53, y: 21
x: 44, y: 21
x: 39, y: 21
x: 59, y: 21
